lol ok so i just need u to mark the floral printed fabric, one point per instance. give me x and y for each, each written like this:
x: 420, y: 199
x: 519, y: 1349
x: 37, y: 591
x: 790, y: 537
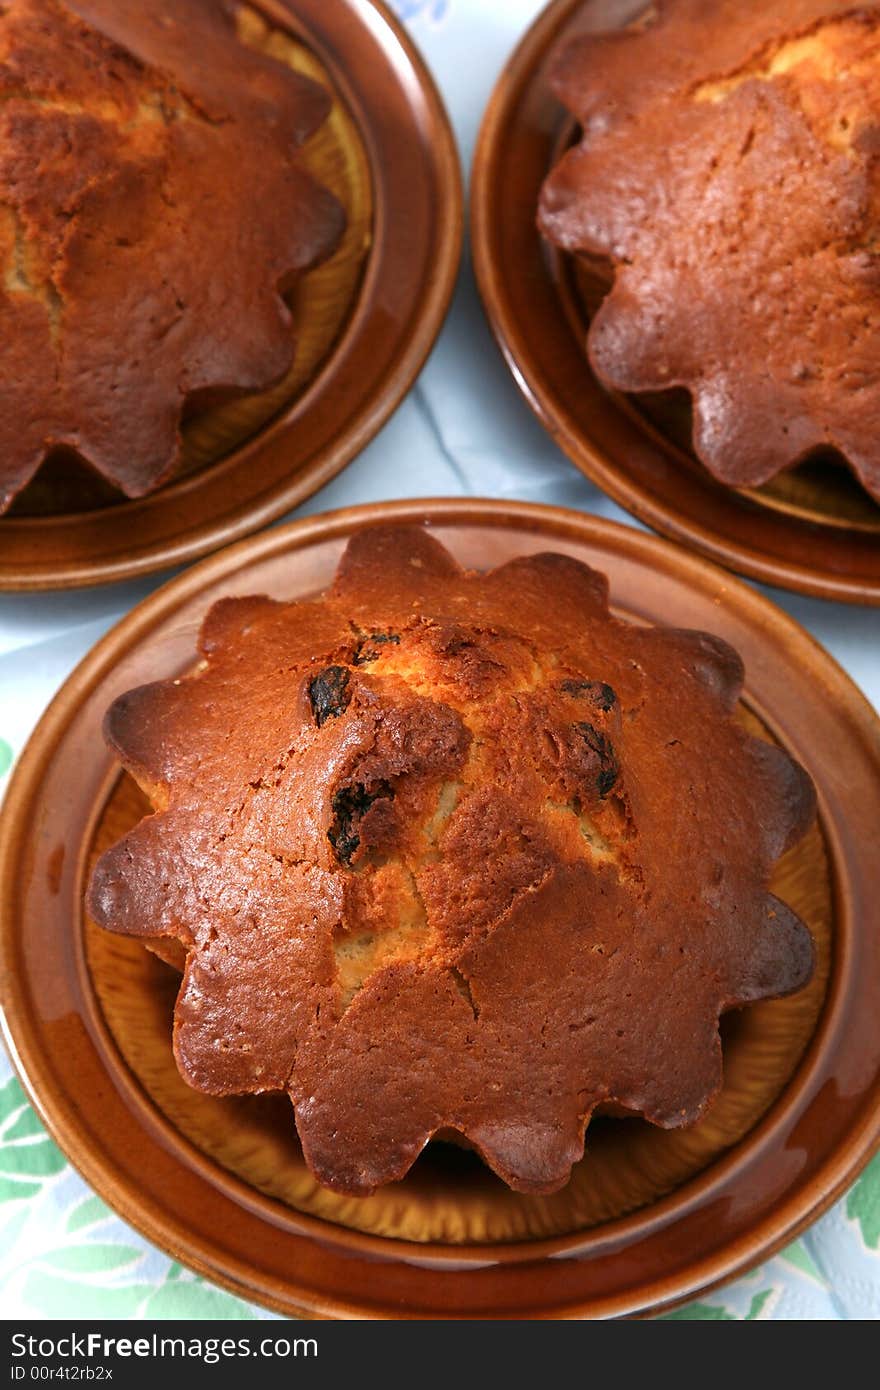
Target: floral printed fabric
x: 63, y: 1253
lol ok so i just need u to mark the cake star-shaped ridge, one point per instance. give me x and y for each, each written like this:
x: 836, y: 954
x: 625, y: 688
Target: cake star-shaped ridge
x: 451, y: 851
x: 153, y: 211
x: 727, y: 173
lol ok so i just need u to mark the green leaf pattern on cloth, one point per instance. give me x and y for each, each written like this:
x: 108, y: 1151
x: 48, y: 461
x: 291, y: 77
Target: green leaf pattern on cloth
x: 758, y: 1304
x: 65, y: 1254
x: 717, y: 1312
x: 800, y: 1258
x: 700, y: 1312
x: 87, y: 1212
x: 25, y: 1150
x: 863, y: 1204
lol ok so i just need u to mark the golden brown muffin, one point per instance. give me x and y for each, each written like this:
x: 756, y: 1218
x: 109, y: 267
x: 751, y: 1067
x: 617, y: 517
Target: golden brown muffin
x: 455, y: 852
x: 728, y: 170
x: 152, y: 209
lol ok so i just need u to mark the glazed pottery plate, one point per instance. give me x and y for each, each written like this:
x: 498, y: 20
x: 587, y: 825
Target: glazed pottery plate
x: 812, y: 529
x: 649, y: 1217
x: 364, y: 322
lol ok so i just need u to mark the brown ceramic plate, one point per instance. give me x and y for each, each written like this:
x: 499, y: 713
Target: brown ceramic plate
x: 649, y: 1217
x: 365, y: 321
x: 812, y: 529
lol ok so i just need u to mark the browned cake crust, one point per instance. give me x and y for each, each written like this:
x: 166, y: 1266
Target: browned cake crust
x: 728, y: 168
x: 151, y: 205
x: 452, y: 851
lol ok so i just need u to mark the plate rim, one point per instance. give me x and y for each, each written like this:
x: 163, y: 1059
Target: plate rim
x: 414, y: 338
x: 31, y: 1063
x: 514, y: 82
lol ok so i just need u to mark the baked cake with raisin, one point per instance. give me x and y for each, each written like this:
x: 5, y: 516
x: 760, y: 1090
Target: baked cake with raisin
x: 152, y: 211
x: 457, y: 853
x: 727, y: 170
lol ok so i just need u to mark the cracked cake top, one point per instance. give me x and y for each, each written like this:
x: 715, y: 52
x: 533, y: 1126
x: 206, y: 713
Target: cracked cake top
x: 152, y: 209
x: 728, y: 170
x: 451, y: 851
